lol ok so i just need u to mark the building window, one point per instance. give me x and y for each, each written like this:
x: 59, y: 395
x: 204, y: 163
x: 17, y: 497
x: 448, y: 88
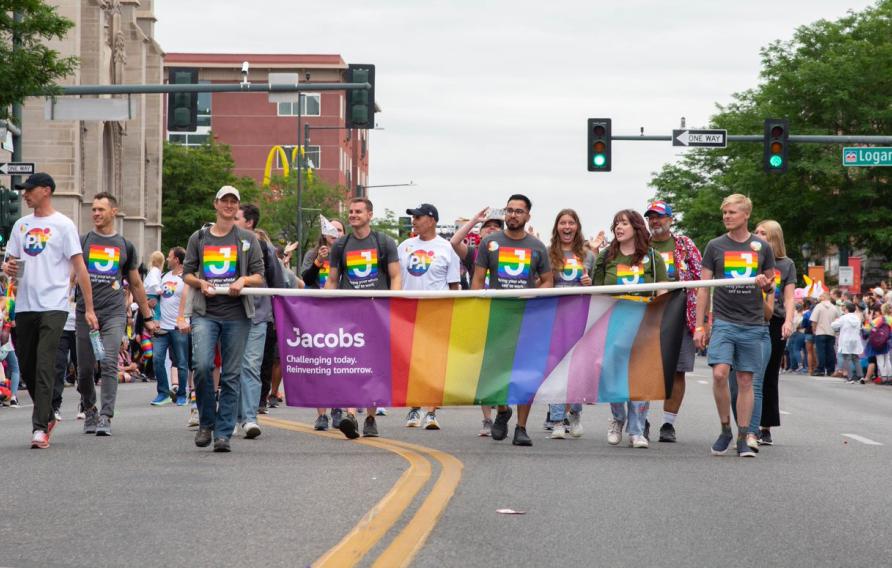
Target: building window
x: 200, y: 137
x: 312, y: 106
x: 314, y: 156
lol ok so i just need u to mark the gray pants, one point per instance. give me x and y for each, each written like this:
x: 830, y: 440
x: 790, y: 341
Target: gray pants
x: 111, y: 328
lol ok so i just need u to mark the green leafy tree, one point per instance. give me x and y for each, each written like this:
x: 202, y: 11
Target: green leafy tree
x: 389, y: 224
x: 831, y: 78
x: 30, y: 67
x: 278, y: 209
x: 190, y: 180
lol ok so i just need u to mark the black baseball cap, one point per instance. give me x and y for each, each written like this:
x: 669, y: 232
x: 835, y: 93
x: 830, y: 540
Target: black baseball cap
x: 39, y: 179
x: 425, y: 209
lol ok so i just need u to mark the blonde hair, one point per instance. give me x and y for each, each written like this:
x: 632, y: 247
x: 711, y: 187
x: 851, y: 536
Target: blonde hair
x: 775, y: 237
x: 157, y: 259
x: 886, y: 309
x: 262, y: 236
x: 738, y: 199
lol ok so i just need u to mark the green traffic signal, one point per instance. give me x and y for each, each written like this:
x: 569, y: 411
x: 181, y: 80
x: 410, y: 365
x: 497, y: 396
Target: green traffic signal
x: 776, y: 161
x: 599, y: 160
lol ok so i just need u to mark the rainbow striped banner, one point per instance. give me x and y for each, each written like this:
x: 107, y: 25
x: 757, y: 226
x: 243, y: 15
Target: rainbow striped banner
x: 338, y: 352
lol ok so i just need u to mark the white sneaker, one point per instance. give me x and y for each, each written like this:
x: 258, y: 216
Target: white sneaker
x: 381, y: 411
x: 193, y: 418
x: 637, y: 441
x: 57, y: 415
x: 559, y: 432
x: 413, y: 419
x: 430, y: 422
x: 252, y: 430
x: 81, y: 415
x: 575, y: 424
x: 614, y: 431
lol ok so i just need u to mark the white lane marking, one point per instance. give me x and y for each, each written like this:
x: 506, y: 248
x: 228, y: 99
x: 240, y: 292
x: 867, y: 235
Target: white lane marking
x: 784, y: 412
x: 703, y: 382
x: 862, y: 439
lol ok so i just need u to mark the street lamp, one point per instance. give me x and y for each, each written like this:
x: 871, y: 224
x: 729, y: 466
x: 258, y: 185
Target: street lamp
x: 805, y: 249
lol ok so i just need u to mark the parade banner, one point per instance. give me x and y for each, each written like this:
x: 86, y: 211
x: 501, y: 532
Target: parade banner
x: 395, y: 352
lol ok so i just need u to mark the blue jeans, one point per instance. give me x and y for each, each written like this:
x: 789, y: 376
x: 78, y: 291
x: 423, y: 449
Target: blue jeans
x: 178, y: 343
x: 232, y: 336
x: 15, y: 375
x: 249, y: 399
x: 794, y: 347
x: 637, y: 415
x: 758, y: 378
x: 558, y: 412
x: 824, y: 345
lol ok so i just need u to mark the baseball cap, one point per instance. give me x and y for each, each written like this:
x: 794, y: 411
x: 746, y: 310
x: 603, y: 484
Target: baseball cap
x: 39, y: 179
x: 878, y: 292
x: 228, y: 190
x: 659, y: 208
x: 425, y: 209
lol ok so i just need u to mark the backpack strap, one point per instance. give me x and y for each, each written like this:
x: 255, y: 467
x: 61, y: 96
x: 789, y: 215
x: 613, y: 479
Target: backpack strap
x: 381, y: 268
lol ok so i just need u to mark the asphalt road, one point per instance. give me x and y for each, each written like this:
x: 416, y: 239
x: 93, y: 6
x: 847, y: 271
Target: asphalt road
x: 148, y: 497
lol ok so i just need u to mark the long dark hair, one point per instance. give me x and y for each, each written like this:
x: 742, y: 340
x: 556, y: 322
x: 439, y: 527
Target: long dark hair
x: 577, y: 246
x: 642, y: 236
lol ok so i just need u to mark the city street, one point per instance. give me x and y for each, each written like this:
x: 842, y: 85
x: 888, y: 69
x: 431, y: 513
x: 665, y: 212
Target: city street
x: 148, y: 497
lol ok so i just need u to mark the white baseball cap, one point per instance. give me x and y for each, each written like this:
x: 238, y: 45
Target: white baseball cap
x: 228, y: 190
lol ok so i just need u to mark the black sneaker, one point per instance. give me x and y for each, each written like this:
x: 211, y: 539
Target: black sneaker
x: 370, y: 427
x: 743, y: 450
x: 203, y: 437
x: 520, y: 437
x: 667, y: 433
x: 321, y: 423
x: 765, y: 438
x: 222, y: 445
x: 349, y: 426
x: 500, y: 425
x: 336, y: 415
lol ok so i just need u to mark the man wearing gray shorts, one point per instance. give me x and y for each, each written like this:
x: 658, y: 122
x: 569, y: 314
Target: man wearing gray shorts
x: 683, y: 263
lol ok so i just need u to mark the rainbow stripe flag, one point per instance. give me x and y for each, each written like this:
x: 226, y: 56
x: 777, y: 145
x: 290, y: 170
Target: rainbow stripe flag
x: 472, y: 351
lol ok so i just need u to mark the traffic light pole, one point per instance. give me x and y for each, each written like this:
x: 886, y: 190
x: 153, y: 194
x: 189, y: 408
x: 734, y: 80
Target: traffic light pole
x: 759, y: 138
x: 202, y: 88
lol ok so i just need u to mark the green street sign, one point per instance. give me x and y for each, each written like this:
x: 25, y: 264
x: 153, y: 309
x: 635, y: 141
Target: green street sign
x: 866, y: 156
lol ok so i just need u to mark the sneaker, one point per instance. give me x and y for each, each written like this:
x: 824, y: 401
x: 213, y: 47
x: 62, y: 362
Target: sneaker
x: 765, y: 438
x: 321, y: 423
x: 753, y: 442
x: 647, y: 429
x: 486, y: 431
x: 559, y: 432
x: 222, y: 445
x: 203, y: 437
x: 381, y: 412
x: 39, y: 440
x: 91, y: 421
x: 104, y: 426
x: 336, y: 414
x: 57, y: 415
x: 252, y: 430
x: 349, y: 426
x: 182, y: 401
x: 413, y: 419
x: 430, y: 422
x: 370, y: 427
x: 160, y: 400
x: 574, y: 420
x: 263, y: 409
x: 743, y: 450
x: 722, y: 443
x: 499, y: 428
x: 14, y: 403
x: 80, y: 415
x: 862, y: 381
x: 520, y: 437
x: 548, y: 425
x: 636, y: 441
x: 614, y: 431
x: 667, y: 433
x: 193, y: 418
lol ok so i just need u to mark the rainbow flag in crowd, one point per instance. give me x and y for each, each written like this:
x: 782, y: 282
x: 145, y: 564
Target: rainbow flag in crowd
x: 338, y: 352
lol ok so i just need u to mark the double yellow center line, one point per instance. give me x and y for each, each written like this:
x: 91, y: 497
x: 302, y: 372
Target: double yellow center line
x: 378, y: 521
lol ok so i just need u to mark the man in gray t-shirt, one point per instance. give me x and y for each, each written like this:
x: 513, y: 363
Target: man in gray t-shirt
x: 728, y: 258
x: 513, y: 259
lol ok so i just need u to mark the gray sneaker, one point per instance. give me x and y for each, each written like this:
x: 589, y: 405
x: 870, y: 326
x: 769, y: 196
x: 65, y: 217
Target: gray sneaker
x: 91, y: 420
x: 370, y: 428
x: 722, y: 443
x: 104, y: 426
x: 321, y: 423
x: 336, y: 414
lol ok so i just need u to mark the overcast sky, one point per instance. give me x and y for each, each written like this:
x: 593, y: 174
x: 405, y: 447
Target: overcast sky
x: 483, y: 99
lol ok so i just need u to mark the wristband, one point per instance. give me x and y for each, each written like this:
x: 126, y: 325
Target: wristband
x: 699, y: 328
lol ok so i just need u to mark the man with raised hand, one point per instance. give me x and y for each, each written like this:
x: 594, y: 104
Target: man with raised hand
x: 43, y: 250
x: 427, y: 262
x: 110, y: 259
x: 221, y: 255
x: 373, y: 265
x: 683, y: 264
x: 739, y: 320
x: 514, y: 259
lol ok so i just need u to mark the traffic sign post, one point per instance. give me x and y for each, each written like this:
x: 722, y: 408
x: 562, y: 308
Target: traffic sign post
x: 16, y: 168
x: 862, y: 156
x: 689, y: 138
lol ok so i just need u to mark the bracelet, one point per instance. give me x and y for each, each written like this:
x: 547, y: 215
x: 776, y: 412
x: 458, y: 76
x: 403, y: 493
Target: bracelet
x: 699, y: 328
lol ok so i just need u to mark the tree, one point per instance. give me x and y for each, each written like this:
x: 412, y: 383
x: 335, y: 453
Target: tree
x: 278, y: 209
x: 830, y: 78
x: 190, y: 180
x: 30, y: 66
x: 388, y: 224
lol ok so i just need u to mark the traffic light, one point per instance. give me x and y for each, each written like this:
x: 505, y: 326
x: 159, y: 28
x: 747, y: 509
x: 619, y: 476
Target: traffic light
x: 10, y: 211
x: 182, y: 108
x: 599, y: 159
x: 405, y: 227
x: 777, y: 132
x: 361, y: 102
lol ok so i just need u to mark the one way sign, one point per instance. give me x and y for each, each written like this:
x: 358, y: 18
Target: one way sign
x: 700, y: 138
x: 16, y: 168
